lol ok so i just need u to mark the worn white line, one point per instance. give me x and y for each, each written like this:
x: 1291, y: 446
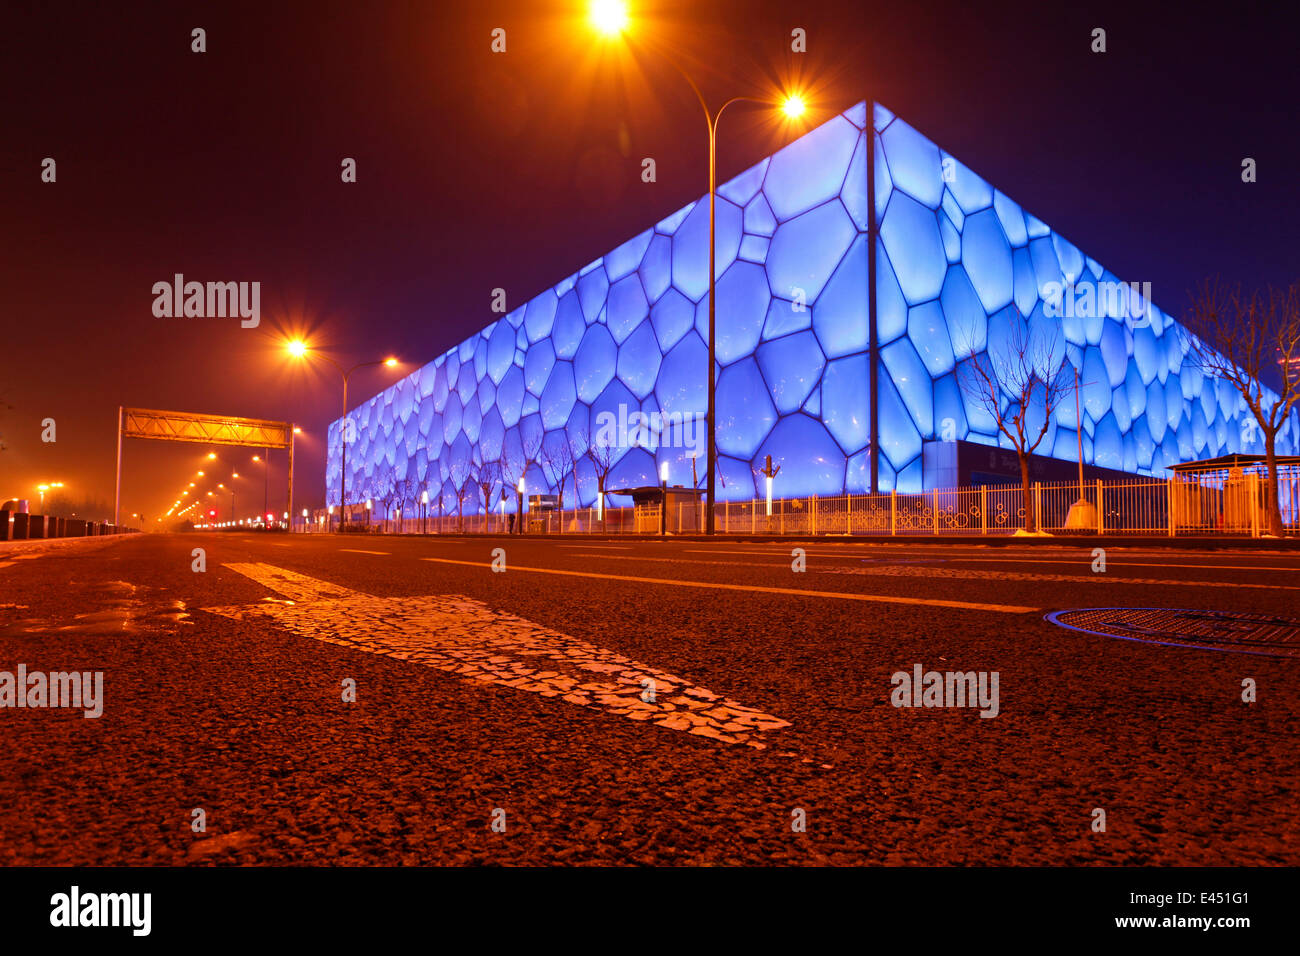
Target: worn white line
x: 466, y: 638
x: 754, y: 588
x: 359, y: 551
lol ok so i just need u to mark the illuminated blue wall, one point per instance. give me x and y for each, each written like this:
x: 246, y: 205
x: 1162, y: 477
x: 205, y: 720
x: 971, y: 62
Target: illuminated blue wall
x: 957, y: 264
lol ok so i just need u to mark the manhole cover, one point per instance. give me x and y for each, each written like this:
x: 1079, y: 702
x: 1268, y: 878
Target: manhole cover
x: 1265, y: 634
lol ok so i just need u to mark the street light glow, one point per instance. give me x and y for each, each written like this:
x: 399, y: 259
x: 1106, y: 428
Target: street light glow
x: 609, y: 17
x: 793, y: 106
x: 297, y: 348
x: 390, y: 362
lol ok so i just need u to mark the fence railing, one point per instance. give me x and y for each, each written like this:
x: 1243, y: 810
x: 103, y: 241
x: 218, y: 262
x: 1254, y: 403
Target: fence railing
x: 1139, y: 506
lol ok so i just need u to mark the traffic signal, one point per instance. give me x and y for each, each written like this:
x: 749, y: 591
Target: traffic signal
x: 212, y: 513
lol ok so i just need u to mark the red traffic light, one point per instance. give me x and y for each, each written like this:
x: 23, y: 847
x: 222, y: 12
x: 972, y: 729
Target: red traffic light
x: 212, y: 513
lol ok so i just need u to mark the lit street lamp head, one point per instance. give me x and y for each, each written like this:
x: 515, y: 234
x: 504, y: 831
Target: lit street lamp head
x: 390, y: 362
x: 609, y: 17
x: 297, y: 348
x: 793, y: 106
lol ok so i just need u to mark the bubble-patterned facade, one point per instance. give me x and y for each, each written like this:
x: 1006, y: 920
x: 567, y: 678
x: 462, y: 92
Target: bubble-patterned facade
x: 959, y: 266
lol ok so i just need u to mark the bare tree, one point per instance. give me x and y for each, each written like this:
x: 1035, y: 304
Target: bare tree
x: 462, y: 481
x: 512, y: 469
x: 1238, y: 336
x: 487, y: 477
x: 408, y: 494
x: 532, y: 446
x: 387, y: 491
x: 558, y: 461
x: 602, y: 458
x: 1008, y: 384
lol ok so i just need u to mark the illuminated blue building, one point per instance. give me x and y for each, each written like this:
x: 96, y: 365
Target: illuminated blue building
x: 958, y: 266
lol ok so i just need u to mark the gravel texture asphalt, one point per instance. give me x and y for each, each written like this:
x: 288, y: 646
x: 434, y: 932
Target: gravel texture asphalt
x: 499, y: 716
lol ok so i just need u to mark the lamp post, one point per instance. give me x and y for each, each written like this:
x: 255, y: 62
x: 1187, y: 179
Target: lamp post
x: 663, y: 499
x: 519, y: 507
x: 264, y: 460
x: 609, y: 17
x: 299, y: 349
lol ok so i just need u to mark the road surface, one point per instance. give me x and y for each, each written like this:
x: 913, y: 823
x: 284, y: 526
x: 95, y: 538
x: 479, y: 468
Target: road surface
x: 397, y: 700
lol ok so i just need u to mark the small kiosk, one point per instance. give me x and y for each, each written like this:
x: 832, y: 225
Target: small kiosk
x: 660, y: 509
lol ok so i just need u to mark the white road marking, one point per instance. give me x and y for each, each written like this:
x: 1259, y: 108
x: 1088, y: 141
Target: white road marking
x: 885, y: 569
x: 1082, y: 559
x: 754, y: 588
x: 359, y: 551
x: 611, y: 547
x: 467, y: 638
x: 978, y: 574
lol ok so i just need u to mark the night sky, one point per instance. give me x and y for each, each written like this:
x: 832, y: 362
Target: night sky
x: 479, y: 170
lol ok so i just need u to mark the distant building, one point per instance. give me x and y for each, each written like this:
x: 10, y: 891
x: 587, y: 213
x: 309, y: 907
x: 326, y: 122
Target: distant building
x: 617, y: 350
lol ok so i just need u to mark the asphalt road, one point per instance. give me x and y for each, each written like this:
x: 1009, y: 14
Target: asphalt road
x: 636, y: 702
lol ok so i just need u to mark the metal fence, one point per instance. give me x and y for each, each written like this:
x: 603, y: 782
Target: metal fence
x: 1139, y: 506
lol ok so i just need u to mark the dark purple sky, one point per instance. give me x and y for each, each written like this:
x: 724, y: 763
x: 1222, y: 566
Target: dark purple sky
x: 479, y: 170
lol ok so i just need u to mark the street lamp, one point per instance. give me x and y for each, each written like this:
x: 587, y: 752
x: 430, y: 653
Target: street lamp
x: 299, y: 349
x: 519, y: 507
x: 663, y: 498
x: 47, y: 487
x: 609, y: 17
